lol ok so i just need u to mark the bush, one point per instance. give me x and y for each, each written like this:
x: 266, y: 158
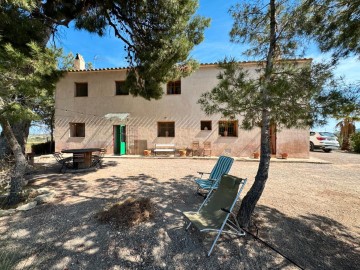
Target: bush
x: 355, y: 142
x: 43, y: 148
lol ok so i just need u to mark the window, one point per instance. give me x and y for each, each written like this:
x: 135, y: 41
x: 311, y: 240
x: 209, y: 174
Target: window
x: 81, y: 89
x: 120, y: 88
x: 205, y: 125
x: 174, y: 88
x: 77, y: 129
x: 166, y: 129
x: 228, y: 128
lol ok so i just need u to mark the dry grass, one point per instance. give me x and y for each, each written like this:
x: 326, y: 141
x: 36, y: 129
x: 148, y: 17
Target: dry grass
x: 128, y: 213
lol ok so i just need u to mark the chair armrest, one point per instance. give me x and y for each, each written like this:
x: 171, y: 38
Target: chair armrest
x: 202, y: 173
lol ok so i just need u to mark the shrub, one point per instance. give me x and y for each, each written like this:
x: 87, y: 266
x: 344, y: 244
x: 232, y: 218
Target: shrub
x: 43, y: 148
x: 355, y: 142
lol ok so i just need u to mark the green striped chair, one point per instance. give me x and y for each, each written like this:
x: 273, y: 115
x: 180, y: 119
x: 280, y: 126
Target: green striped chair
x: 222, y: 166
x: 216, y: 210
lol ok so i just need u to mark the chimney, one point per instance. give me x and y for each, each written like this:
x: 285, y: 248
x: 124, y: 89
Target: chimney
x: 79, y: 62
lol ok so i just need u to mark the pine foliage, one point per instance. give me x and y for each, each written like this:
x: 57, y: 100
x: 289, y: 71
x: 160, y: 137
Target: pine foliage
x: 334, y: 24
x: 26, y: 81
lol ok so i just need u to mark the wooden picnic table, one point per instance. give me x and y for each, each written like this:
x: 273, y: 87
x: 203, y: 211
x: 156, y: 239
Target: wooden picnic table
x: 82, y: 158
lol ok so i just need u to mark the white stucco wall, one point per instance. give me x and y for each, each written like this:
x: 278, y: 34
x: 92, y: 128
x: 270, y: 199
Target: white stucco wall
x: 144, y: 115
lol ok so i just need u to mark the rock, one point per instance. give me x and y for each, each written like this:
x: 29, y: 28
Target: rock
x: 7, y: 212
x: 27, y: 206
x: 43, y: 190
x: 44, y: 198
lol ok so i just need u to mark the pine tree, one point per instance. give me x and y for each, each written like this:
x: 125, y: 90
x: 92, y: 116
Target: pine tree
x: 26, y: 81
x: 286, y: 92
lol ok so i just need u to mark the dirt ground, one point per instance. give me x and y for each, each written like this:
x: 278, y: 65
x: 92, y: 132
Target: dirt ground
x: 309, y: 212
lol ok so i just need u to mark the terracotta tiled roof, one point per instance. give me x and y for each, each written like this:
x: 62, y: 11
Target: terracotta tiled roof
x: 202, y: 64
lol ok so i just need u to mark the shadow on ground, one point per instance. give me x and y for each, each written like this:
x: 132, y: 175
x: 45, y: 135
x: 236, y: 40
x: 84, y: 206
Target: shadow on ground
x: 312, y: 241
x: 65, y: 234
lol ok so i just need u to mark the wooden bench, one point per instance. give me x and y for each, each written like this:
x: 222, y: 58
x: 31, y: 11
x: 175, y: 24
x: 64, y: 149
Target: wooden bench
x: 164, y: 148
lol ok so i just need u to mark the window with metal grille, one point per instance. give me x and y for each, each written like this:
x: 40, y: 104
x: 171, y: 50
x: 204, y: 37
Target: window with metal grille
x: 174, y: 88
x: 228, y: 128
x: 120, y: 89
x: 166, y: 129
x: 81, y: 89
x: 77, y: 129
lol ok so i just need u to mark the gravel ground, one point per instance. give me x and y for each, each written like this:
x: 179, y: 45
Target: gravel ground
x: 309, y: 212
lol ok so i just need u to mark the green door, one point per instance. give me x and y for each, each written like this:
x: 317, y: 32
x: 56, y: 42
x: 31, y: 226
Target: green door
x: 122, y: 140
x: 116, y: 140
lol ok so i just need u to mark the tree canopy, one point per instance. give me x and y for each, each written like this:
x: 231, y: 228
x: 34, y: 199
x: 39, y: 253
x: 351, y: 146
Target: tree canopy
x: 300, y: 94
x: 26, y: 80
x: 334, y: 24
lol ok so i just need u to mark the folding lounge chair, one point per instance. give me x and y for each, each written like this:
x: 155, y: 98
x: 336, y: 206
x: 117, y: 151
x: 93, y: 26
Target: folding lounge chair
x: 215, y: 211
x: 222, y: 166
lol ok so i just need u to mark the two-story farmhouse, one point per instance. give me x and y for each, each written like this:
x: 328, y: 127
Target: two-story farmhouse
x: 93, y: 110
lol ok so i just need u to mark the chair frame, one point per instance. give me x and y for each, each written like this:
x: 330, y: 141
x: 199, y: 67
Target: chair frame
x: 234, y: 227
x: 65, y: 162
x: 213, y: 180
x: 97, y: 159
x: 207, y: 148
x: 195, y: 147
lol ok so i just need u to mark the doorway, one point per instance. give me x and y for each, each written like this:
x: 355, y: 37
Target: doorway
x: 120, y: 140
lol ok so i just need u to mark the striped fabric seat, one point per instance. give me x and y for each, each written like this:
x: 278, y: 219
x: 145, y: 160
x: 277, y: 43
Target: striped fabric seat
x: 222, y: 166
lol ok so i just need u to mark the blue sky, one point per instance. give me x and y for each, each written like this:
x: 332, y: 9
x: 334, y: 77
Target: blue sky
x: 108, y: 51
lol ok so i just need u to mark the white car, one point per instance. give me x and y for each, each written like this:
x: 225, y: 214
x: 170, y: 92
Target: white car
x: 323, y: 140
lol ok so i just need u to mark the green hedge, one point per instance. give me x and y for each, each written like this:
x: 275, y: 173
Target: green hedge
x: 43, y: 148
x: 355, y: 142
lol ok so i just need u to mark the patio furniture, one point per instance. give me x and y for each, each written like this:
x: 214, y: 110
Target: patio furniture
x: 163, y: 148
x: 30, y: 158
x: 215, y: 211
x: 79, y: 160
x: 222, y: 166
x: 66, y: 163
x: 98, y: 159
x: 82, y: 158
x: 207, y: 149
x: 195, y: 148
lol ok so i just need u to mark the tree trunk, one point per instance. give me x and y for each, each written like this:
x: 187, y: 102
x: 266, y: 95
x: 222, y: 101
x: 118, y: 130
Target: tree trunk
x: 347, y: 129
x: 52, y: 124
x: 21, y: 132
x: 17, y: 175
x: 250, y: 200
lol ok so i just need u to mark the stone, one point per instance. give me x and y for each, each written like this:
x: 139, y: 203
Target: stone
x: 7, y: 212
x: 44, y: 198
x: 27, y: 206
x: 43, y: 190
